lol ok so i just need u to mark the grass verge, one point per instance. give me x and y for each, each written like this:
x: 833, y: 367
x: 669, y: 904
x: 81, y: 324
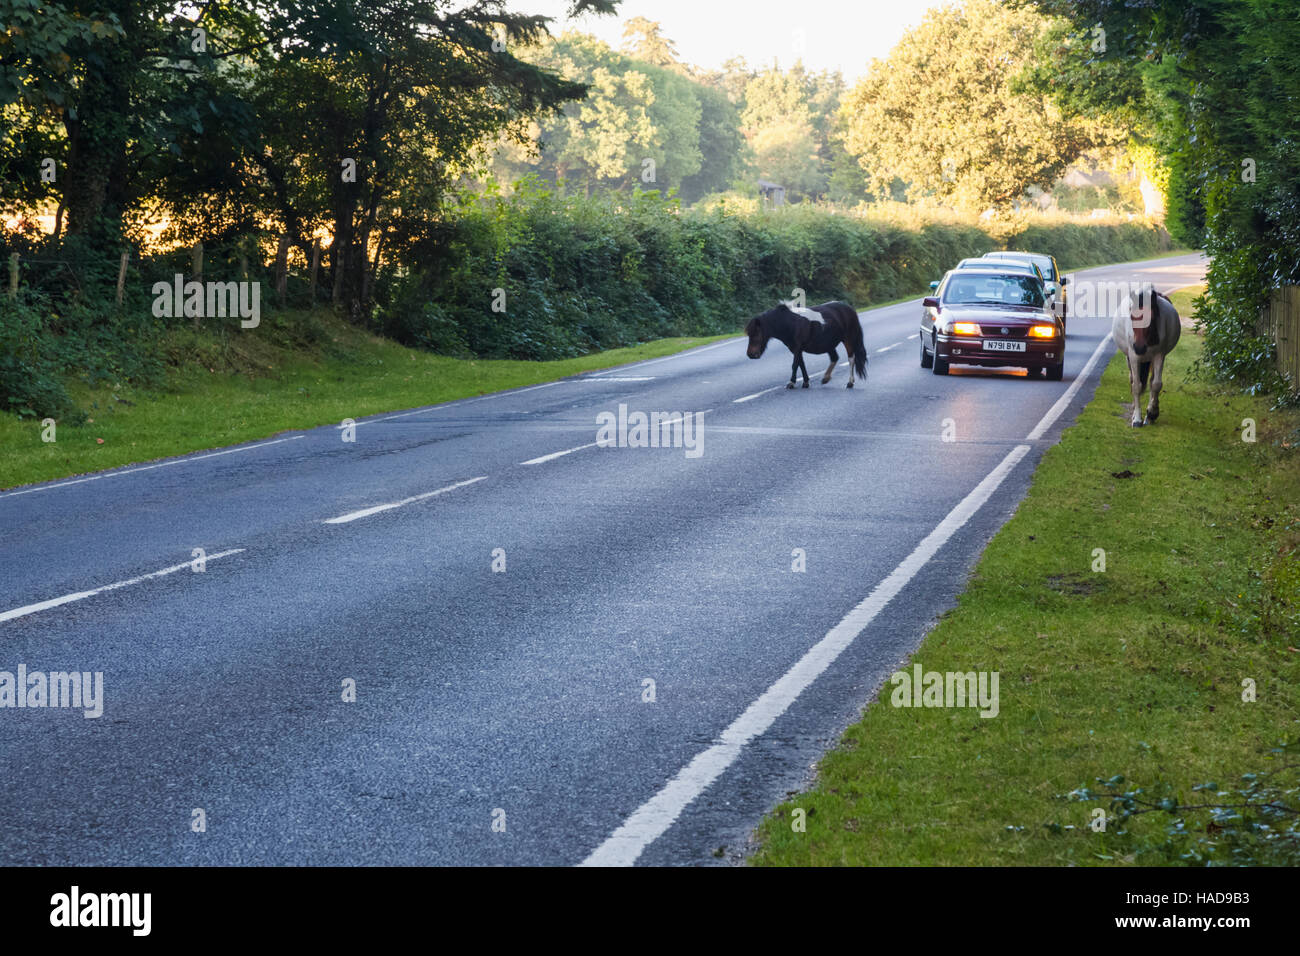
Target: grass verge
x: 301, y: 370
x: 1132, y: 675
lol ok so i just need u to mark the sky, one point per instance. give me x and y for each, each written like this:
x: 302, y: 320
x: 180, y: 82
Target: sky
x: 839, y: 35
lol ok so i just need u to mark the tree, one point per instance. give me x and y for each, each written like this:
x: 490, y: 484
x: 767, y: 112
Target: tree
x: 722, y: 147
x: 636, y: 119
x: 1218, y: 88
x: 941, y: 112
x: 780, y: 125
x: 644, y: 40
x: 110, y: 88
x: 365, y: 136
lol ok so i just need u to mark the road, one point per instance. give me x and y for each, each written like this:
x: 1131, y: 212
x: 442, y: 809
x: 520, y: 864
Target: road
x: 502, y: 717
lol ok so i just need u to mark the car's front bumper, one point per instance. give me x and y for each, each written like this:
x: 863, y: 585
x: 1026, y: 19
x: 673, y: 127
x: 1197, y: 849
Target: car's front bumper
x: 969, y: 350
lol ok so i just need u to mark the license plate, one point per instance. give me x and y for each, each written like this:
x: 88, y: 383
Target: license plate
x: 1003, y: 345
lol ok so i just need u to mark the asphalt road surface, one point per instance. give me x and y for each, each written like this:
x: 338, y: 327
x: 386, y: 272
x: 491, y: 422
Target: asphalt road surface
x: 504, y: 717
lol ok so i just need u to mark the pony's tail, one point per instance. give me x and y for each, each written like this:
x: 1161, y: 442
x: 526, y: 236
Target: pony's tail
x: 859, y: 347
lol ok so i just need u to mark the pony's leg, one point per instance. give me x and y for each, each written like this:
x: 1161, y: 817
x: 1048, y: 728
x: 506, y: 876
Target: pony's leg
x: 794, y: 368
x: 803, y: 369
x: 1135, y: 384
x: 835, y: 359
x: 848, y: 349
x: 1157, y: 383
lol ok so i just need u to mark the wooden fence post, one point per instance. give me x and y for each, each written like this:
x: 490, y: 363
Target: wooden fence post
x: 196, y: 269
x: 315, y: 268
x: 282, y: 268
x: 13, y: 275
x: 121, y: 278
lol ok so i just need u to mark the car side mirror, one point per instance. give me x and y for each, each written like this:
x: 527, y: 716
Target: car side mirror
x: 1064, y: 281
x: 930, y: 302
x: 934, y: 286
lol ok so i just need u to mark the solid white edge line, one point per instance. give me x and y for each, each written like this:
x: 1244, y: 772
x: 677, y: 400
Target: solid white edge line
x: 69, y: 598
x: 161, y: 464
x: 367, y: 512
x: 1063, y: 402
x: 656, y: 815
x: 888, y: 347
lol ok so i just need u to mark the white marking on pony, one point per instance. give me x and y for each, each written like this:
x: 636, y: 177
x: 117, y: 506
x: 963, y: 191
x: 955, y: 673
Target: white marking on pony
x: 808, y: 314
x: 657, y: 814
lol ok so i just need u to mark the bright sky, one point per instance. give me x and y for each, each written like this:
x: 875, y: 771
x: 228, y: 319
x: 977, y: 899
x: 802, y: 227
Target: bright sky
x: 833, y: 34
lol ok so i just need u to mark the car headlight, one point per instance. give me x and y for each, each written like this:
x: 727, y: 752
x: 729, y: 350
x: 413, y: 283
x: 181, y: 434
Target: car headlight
x: 966, y: 328
x: 1042, y: 331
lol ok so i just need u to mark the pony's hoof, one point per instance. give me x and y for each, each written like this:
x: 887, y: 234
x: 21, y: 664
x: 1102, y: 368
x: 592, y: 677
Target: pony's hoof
x: 789, y: 384
x: 850, y: 385
x: 1138, y: 424
x: 1151, y: 417
x: 805, y: 384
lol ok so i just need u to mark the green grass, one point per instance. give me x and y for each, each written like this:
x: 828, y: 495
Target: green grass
x: 298, y: 370
x: 1136, y: 670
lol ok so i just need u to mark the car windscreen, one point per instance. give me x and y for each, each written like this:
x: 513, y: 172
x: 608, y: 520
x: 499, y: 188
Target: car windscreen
x: 1001, y: 289
x: 1044, y: 263
x: 1009, y: 265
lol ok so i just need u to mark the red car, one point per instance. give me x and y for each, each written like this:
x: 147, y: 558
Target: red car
x: 992, y: 317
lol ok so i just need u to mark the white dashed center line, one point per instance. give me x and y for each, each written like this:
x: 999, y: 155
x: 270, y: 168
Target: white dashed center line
x: 367, y: 512
x: 558, y: 454
x: 69, y: 598
x: 750, y: 398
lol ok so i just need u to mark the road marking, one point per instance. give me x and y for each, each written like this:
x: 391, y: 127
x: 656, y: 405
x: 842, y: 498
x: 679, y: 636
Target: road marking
x: 558, y: 454
x: 669, y: 358
x: 750, y: 398
x: 569, y: 451
x: 462, y: 401
x: 888, y: 347
x: 69, y: 598
x: 612, y: 378
x: 1055, y: 411
x: 161, y: 464
x: 367, y: 512
x: 656, y: 815
x: 915, y: 335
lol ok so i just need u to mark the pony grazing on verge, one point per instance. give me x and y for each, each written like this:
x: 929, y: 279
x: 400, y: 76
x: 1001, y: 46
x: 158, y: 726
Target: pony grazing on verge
x: 818, y: 330
x: 1146, y: 329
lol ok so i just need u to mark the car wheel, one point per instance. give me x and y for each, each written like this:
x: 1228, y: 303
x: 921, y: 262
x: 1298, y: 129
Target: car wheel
x: 927, y: 360
x: 940, y: 366
x: 1055, y: 372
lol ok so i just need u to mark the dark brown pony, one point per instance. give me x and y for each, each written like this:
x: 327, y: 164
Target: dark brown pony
x: 818, y: 330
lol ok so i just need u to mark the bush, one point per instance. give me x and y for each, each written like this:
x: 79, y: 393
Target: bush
x: 541, y: 275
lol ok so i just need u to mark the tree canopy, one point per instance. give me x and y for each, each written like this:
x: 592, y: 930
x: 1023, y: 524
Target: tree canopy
x: 944, y: 113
